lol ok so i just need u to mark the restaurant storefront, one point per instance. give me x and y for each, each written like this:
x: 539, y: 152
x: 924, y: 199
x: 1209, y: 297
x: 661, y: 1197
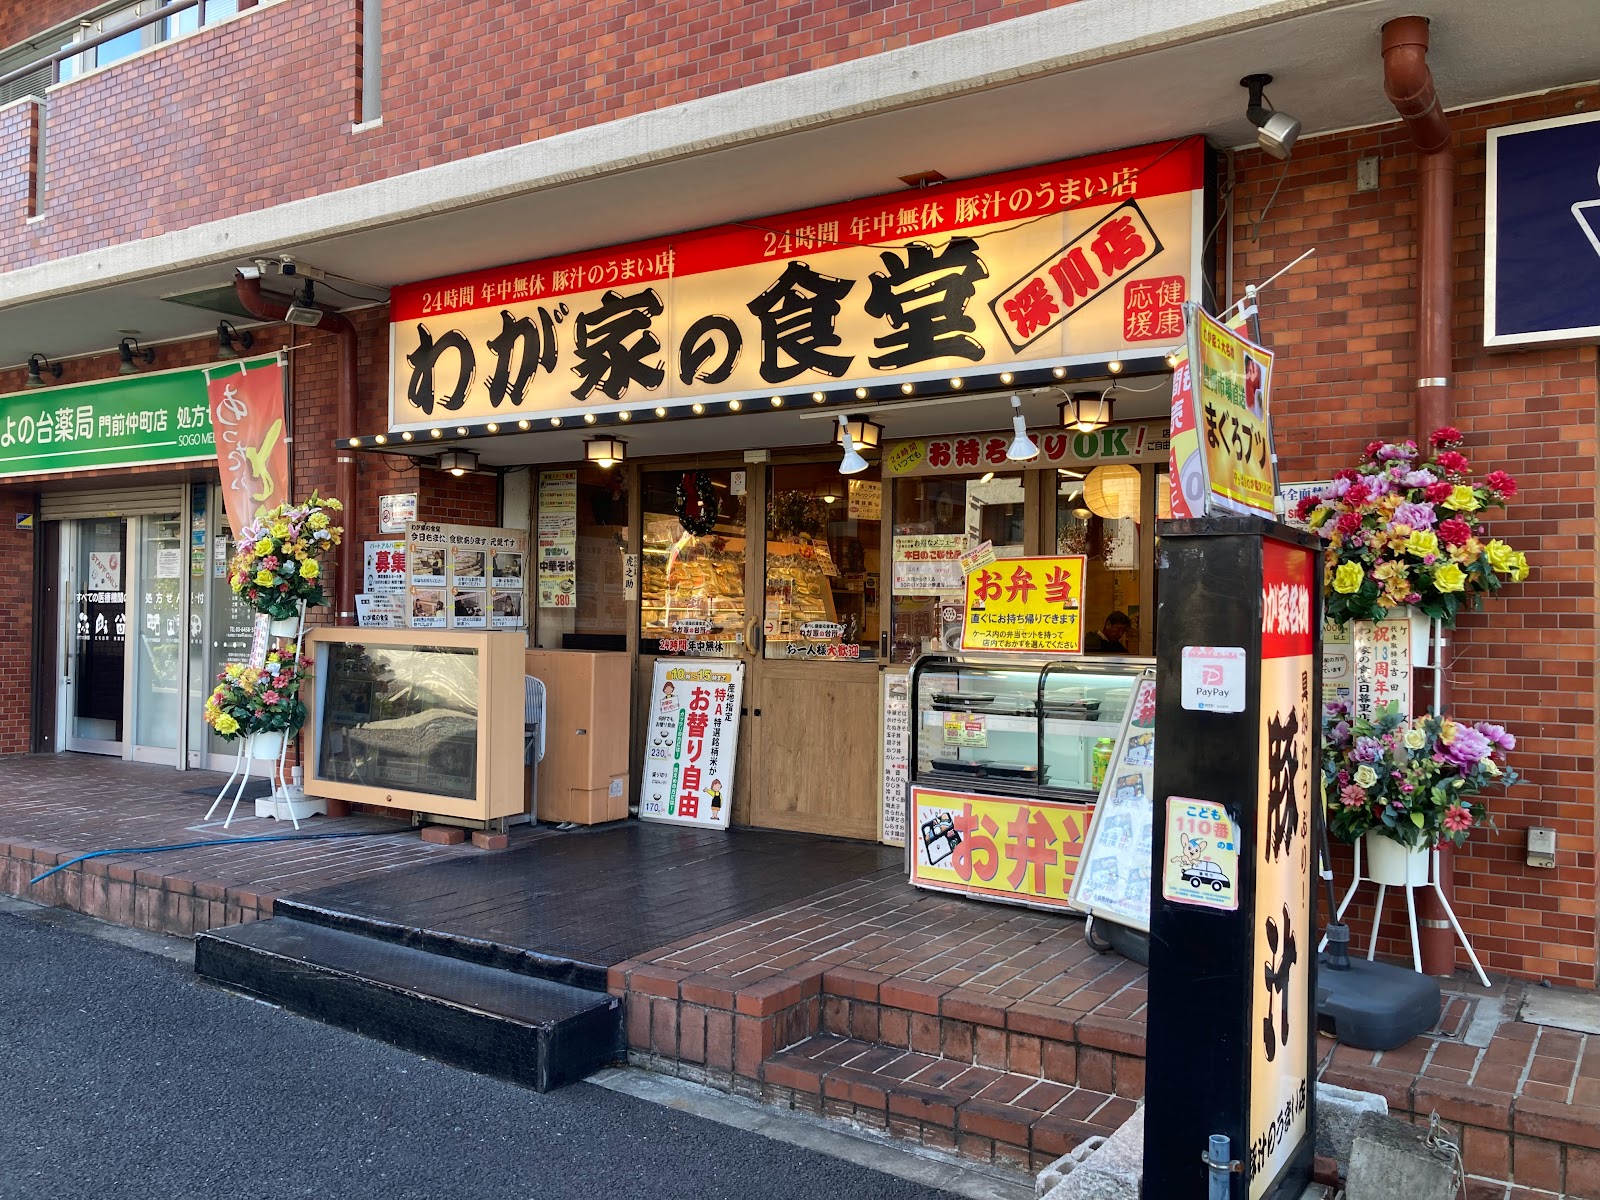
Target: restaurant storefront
x: 679, y: 406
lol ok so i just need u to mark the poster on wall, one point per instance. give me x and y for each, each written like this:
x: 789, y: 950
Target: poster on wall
x: 963, y: 843
x: 449, y: 571
x: 1284, y: 938
x: 396, y: 512
x: 1025, y: 604
x: 381, y: 611
x: 558, y: 539
x: 927, y: 564
x: 384, y: 572
x: 1072, y: 261
x: 1113, y: 880
x: 691, y: 742
x: 895, y: 758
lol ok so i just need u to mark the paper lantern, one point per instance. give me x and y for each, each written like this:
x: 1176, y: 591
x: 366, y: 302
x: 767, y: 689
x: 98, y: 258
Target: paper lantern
x: 1113, y: 492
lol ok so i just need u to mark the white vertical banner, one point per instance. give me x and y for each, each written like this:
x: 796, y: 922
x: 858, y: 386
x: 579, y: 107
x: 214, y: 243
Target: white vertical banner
x: 691, y: 742
x: 895, y: 757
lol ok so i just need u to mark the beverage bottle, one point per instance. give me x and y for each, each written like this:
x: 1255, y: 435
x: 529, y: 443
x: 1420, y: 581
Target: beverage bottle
x: 1101, y: 761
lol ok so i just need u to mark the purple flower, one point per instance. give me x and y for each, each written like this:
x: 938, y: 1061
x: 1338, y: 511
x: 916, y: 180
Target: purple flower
x: 1341, y: 731
x: 1403, y: 450
x: 1344, y: 776
x: 1368, y: 750
x: 1418, y: 516
x: 1420, y: 478
x: 1497, y: 734
x: 1336, y: 489
x: 1380, y: 485
x: 1468, y: 748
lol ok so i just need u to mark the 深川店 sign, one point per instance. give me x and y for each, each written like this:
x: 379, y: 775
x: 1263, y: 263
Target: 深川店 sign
x: 1144, y: 441
x: 161, y: 417
x: 1072, y: 261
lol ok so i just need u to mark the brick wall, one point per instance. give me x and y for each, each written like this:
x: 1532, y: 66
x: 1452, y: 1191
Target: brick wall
x: 1344, y: 324
x: 16, y: 619
x: 18, y: 22
x: 267, y: 101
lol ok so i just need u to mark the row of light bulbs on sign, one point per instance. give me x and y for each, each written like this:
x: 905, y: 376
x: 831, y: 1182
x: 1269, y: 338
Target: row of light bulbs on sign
x: 856, y: 432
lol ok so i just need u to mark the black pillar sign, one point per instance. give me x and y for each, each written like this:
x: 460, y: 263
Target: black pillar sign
x: 1232, y: 1040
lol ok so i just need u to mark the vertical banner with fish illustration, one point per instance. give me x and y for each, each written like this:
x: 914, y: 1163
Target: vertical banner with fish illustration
x: 247, y: 417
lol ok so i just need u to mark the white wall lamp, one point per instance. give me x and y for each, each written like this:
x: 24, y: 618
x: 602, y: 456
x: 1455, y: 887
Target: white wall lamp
x: 865, y: 433
x: 1022, y: 446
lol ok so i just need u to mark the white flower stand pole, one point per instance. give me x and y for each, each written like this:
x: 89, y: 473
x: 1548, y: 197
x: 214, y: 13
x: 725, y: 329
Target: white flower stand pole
x: 1389, y: 863
x: 253, y: 748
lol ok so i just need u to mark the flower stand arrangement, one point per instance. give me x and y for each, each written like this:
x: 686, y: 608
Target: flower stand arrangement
x: 278, y: 572
x: 1404, y: 532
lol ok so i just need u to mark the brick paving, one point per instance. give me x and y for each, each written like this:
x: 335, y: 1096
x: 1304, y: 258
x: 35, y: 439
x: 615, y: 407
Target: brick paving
x: 55, y: 807
x: 991, y: 1031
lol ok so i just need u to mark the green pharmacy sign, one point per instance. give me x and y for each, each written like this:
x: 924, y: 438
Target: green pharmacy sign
x: 162, y: 417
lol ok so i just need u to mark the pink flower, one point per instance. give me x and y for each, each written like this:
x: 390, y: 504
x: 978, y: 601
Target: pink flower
x: 1446, y: 436
x: 1348, y: 522
x: 1359, y: 493
x: 1452, y: 462
x: 1349, y: 474
x: 1457, y: 819
x: 1352, y: 796
x: 1454, y: 532
x: 1438, y: 493
x: 271, y: 697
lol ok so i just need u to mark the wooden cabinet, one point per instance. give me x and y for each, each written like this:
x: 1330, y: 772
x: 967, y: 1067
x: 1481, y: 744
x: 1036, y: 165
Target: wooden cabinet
x: 584, y: 775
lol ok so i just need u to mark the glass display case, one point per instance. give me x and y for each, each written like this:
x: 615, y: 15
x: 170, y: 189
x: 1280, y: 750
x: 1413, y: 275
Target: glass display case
x: 426, y: 720
x: 1033, y: 728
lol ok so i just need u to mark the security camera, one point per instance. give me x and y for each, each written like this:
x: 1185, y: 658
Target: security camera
x: 1276, y: 132
x: 288, y: 267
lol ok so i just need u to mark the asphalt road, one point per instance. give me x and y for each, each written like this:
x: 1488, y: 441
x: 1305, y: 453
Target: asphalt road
x: 123, y: 1077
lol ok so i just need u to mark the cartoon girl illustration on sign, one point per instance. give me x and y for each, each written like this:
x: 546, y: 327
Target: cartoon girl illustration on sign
x: 715, y: 792
x: 667, y: 703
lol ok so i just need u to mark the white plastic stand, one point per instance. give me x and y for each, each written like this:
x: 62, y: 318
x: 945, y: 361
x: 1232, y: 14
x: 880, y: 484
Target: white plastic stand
x: 286, y: 799
x: 1420, y: 870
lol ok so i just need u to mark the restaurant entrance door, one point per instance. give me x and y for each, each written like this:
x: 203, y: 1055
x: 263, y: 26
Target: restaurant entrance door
x: 785, y: 579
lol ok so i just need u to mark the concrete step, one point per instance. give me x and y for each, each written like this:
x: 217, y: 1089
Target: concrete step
x: 1006, y: 1117
x: 571, y: 970
x: 531, y: 1031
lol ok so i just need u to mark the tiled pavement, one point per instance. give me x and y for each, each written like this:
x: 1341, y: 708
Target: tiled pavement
x: 55, y: 807
x: 993, y: 1031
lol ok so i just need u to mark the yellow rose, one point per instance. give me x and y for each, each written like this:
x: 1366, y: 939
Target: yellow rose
x: 1319, y: 517
x: 1348, y: 578
x: 1520, y: 568
x: 309, y: 569
x: 1449, y: 578
x: 1501, y: 557
x: 280, y: 529
x: 1366, y: 776
x: 1422, y: 543
x: 1462, y: 499
x: 265, y: 578
x: 318, y: 521
x: 226, y: 725
x: 1447, y: 732
x: 1414, y: 738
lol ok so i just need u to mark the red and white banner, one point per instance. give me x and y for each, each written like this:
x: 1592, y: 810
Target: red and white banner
x: 247, y: 416
x: 1074, y: 261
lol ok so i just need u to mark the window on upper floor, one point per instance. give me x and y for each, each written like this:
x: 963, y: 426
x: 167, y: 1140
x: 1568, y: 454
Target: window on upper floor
x: 108, y: 20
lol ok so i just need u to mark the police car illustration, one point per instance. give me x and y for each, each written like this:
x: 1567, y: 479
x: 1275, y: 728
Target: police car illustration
x: 1206, y: 872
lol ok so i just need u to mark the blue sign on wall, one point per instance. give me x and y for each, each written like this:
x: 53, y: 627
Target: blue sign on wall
x: 1542, y: 274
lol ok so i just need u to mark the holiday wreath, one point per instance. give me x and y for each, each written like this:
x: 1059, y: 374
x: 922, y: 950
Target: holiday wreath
x: 697, y: 504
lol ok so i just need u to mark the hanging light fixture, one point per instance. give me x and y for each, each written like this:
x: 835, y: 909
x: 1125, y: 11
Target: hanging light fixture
x: 865, y: 433
x: 1112, y: 493
x: 1087, y: 411
x: 605, y: 451
x: 230, y: 341
x: 458, y: 462
x: 1022, y: 446
x: 853, y: 463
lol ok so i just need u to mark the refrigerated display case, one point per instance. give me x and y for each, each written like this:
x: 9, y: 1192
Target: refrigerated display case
x: 1007, y: 759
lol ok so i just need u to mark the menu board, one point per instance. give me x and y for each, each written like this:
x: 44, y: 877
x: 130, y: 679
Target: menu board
x: 1113, y: 880
x: 928, y: 564
x: 691, y: 742
x: 558, y: 538
x: 465, y: 576
x: 896, y: 757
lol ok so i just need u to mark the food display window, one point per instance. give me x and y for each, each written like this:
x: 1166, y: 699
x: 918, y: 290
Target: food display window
x: 1034, y: 728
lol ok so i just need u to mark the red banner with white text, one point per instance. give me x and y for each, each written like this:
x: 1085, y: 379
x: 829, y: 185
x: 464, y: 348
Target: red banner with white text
x: 247, y: 416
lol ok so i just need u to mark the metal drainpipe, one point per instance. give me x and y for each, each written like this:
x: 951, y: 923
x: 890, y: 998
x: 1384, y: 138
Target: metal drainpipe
x: 1408, y: 82
x: 248, y: 289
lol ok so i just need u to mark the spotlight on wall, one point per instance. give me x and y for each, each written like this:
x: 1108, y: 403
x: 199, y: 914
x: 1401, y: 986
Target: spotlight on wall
x: 38, y: 364
x: 129, y: 350
x: 1022, y: 446
x: 605, y: 451
x: 230, y: 341
x: 1276, y: 132
x: 853, y: 463
x: 1087, y: 411
x: 303, y: 308
x: 457, y: 462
